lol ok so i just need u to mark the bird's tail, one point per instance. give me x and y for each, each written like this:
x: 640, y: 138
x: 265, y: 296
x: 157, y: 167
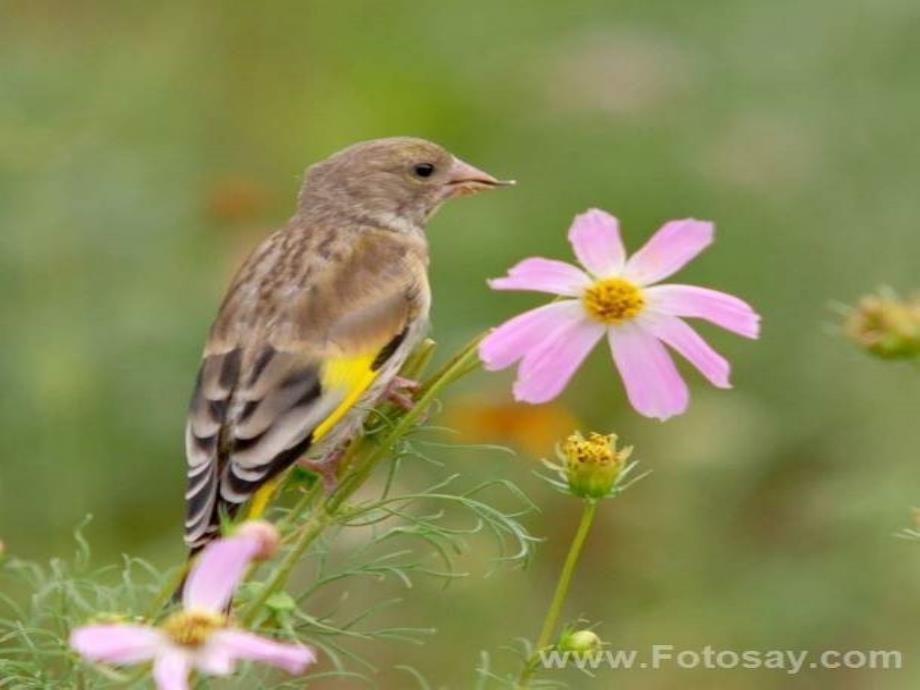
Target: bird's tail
x: 202, y: 507
x: 205, y: 532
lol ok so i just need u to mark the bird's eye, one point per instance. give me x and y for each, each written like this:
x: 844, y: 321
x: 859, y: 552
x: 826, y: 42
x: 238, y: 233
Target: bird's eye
x: 423, y: 170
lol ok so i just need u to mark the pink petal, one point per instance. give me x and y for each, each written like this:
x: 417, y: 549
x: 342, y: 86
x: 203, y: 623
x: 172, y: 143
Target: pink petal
x: 675, y: 333
x: 171, y: 669
x: 238, y: 644
x: 653, y: 384
x: 214, y: 658
x: 595, y: 237
x: 669, y: 250
x: 722, y: 309
x: 217, y: 572
x: 117, y: 644
x: 547, y: 368
x: 516, y: 337
x: 544, y: 275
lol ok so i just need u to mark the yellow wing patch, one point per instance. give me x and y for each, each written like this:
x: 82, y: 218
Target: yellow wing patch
x: 352, y: 374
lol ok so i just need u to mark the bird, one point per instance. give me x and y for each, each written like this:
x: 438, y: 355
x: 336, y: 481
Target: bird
x: 316, y: 324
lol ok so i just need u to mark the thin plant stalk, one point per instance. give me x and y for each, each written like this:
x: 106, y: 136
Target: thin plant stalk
x: 559, y: 596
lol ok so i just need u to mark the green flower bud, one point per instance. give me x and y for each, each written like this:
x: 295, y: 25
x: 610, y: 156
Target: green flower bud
x: 281, y: 602
x: 580, y: 642
x: 592, y: 465
x: 886, y: 325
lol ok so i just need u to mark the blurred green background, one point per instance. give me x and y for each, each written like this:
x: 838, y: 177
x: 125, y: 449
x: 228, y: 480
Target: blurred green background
x: 145, y: 147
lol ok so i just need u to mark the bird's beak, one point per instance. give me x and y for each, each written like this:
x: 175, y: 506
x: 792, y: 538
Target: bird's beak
x: 464, y: 179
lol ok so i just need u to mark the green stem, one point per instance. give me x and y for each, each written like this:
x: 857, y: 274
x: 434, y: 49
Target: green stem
x: 298, y: 509
x: 317, y: 522
x: 562, y: 590
x: 328, y: 508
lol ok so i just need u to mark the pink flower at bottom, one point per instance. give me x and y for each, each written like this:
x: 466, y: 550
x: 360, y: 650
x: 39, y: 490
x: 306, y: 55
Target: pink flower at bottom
x: 198, y: 636
x: 618, y: 298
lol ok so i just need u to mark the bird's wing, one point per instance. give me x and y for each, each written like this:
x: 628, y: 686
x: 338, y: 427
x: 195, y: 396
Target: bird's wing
x: 292, y: 350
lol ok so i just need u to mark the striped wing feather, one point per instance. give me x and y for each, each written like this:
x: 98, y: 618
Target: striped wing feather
x: 289, y: 356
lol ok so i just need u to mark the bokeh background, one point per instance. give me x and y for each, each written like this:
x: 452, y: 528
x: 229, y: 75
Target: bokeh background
x: 144, y: 148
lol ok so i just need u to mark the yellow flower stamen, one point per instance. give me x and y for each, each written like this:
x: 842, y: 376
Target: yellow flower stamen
x: 886, y: 325
x: 593, y: 463
x: 613, y: 300
x: 599, y: 449
x: 192, y: 628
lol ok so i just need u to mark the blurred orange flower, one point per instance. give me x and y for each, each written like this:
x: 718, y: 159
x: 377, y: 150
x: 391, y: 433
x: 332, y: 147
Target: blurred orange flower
x: 234, y: 199
x: 532, y: 429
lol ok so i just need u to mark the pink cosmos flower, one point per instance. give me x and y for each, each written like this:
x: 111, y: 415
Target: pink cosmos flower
x: 618, y: 297
x: 199, y: 636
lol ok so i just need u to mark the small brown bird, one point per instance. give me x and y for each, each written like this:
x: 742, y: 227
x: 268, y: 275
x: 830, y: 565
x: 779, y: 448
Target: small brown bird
x: 317, y: 322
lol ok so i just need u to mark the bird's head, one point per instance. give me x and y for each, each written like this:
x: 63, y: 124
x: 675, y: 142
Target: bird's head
x: 397, y: 182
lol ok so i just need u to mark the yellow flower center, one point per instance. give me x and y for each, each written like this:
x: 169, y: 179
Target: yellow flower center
x: 193, y: 628
x: 613, y: 300
x: 597, y: 449
x: 886, y: 325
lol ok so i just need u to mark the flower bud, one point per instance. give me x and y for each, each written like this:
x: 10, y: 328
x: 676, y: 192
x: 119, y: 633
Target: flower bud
x: 915, y: 515
x: 593, y: 464
x: 886, y: 325
x: 265, y: 534
x: 580, y: 642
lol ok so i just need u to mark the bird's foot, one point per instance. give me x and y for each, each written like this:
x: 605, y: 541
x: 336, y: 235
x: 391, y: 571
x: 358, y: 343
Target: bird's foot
x: 400, y: 392
x: 327, y: 467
